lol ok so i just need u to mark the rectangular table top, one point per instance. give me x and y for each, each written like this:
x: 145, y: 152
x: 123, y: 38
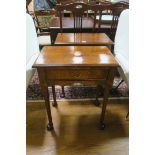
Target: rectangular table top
x: 83, y: 38
x: 89, y: 56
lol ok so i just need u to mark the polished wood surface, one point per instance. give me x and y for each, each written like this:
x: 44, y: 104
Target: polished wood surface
x: 56, y: 56
x: 76, y: 129
x: 83, y: 39
x: 60, y: 65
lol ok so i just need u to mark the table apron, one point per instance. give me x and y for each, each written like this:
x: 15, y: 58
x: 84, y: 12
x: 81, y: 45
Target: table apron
x: 76, y: 82
x: 62, y: 76
x: 76, y: 74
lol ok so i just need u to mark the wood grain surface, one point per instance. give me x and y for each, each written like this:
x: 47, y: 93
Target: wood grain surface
x: 76, y: 129
x: 75, y: 56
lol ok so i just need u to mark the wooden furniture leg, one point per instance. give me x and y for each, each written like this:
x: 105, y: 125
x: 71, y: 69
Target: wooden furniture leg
x: 44, y: 89
x: 108, y: 84
x: 97, y: 103
x: 54, y: 96
x: 48, y: 108
x: 51, y: 37
x: 63, y: 92
x: 104, y: 104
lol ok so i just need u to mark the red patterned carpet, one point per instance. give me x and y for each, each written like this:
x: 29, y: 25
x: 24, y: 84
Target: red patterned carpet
x: 74, y: 91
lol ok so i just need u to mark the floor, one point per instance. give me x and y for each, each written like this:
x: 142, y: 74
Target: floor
x: 76, y: 129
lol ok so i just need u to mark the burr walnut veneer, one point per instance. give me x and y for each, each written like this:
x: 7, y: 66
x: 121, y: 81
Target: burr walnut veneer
x: 83, y: 39
x: 60, y: 65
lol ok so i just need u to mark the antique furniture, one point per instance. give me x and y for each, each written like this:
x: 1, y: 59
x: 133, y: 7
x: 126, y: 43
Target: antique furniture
x: 83, y: 39
x: 42, y: 20
x: 118, y: 7
x: 60, y: 65
x: 79, y: 21
x: 103, y: 12
x: 103, y: 18
x: 78, y: 37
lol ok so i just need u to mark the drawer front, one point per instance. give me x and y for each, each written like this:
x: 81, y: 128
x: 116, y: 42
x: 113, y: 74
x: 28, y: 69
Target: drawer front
x: 76, y: 74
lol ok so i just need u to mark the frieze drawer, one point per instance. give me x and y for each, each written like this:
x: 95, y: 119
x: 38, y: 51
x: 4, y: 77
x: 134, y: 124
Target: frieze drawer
x: 76, y: 74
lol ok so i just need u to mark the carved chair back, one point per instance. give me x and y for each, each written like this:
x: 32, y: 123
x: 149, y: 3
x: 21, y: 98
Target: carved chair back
x: 100, y: 9
x: 43, y: 18
x: 77, y: 9
x: 117, y: 9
